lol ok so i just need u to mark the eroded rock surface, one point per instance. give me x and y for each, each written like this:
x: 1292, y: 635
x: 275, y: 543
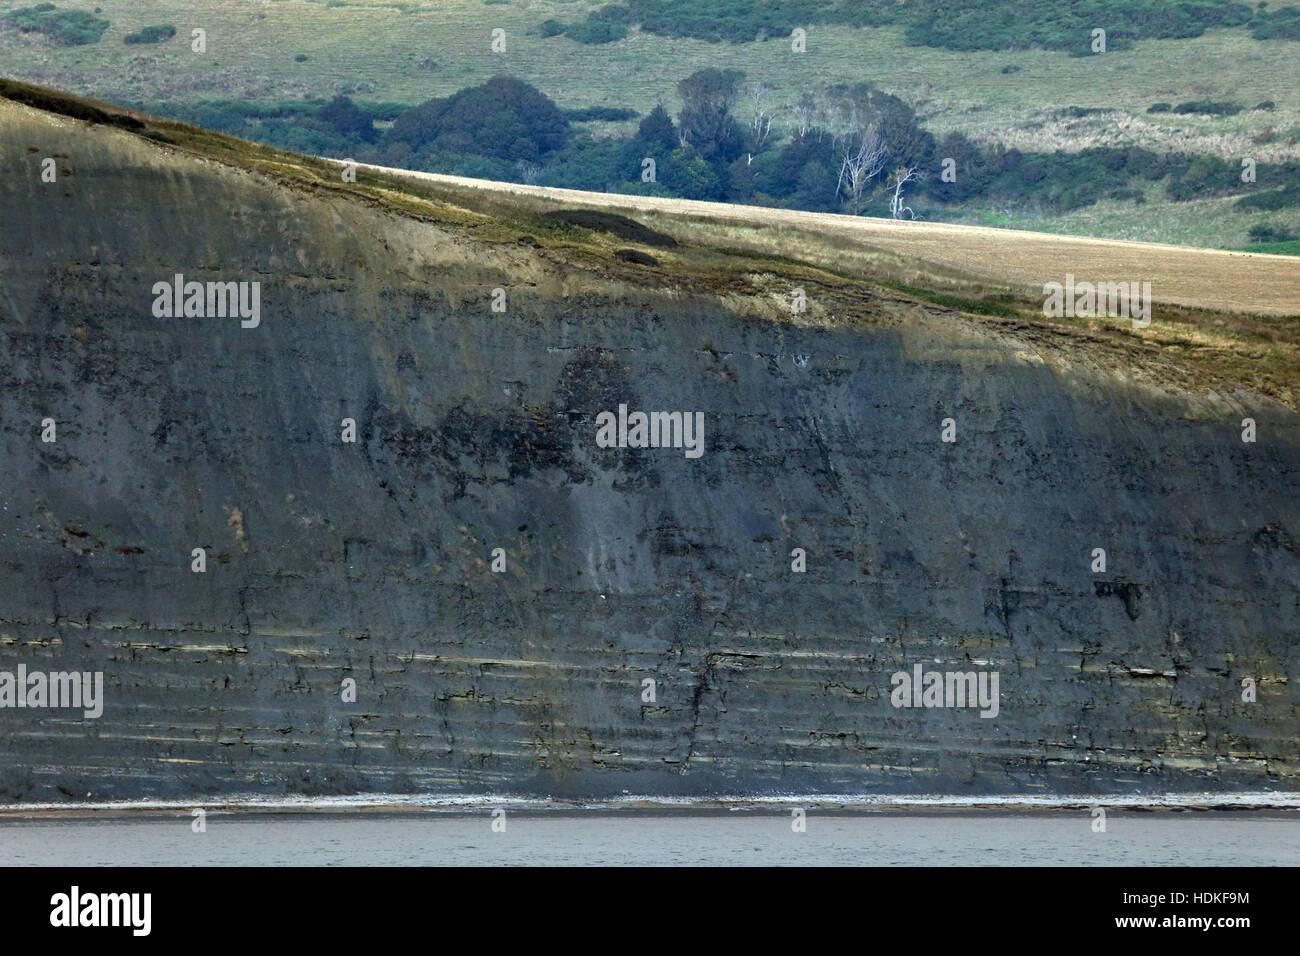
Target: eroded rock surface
x: 476, y: 431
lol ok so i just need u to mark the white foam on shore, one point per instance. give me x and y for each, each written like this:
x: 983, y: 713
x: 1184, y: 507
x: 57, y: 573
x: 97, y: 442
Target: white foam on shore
x: 465, y: 803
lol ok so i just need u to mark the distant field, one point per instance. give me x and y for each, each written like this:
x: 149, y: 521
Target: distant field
x: 409, y: 52
x: 1208, y: 223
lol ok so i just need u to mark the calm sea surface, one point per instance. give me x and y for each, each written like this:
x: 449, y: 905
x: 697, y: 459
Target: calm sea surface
x: 752, y: 837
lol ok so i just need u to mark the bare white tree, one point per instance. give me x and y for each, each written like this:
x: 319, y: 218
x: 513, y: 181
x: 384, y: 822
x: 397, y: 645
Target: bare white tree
x: 804, y: 112
x: 899, y: 178
x: 760, y: 122
x: 528, y: 171
x: 862, y: 155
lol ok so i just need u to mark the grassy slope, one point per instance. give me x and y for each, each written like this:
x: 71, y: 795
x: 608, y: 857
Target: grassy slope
x: 1207, y: 223
x: 1288, y: 248
x: 362, y: 43
x: 855, y: 270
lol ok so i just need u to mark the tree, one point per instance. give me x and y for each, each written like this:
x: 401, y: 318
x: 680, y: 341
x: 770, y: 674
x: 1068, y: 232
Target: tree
x: 760, y: 120
x: 897, y: 180
x: 347, y: 118
x: 971, y: 168
x: 858, y: 105
x: 706, y: 121
x: 805, y: 111
x: 528, y: 171
x: 813, y: 188
x: 710, y: 87
x: 688, y: 175
x: 504, y: 118
x: 862, y: 156
x: 742, y: 180
x: 657, y: 130
x: 794, y: 174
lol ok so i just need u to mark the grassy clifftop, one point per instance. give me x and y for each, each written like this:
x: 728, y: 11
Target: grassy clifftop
x: 1221, y: 321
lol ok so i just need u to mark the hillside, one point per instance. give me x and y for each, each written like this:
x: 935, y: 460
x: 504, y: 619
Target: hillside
x: 999, y: 83
x: 477, y: 429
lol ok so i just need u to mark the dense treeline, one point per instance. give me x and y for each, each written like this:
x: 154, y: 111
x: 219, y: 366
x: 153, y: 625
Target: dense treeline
x: 991, y: 25
x: 853, y: 148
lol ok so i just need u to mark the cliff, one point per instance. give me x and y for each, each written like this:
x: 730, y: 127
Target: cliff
x: 477, y: 430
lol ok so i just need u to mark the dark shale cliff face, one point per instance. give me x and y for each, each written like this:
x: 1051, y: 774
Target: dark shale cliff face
x: 476, y: 431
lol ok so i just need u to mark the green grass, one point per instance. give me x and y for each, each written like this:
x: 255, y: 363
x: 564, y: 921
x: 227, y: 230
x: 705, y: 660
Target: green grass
x: 1207, y: 223
x: 1001, y: 305
x: 1290, y: 248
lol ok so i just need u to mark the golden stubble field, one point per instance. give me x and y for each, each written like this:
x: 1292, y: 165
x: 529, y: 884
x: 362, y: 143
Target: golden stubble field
x: 1016, y: 260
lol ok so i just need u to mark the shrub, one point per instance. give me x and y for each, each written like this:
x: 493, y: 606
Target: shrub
x: 620, y: 226
x: 63, y: 27
x: 155, y: 34
x: 614, y: 13
x: 28, y: 18
x: 1209, y: 107
x: 593, y: 32
x: 1280, y: 25
x: 637, y: 256
x: 1159, y: 108
x: 1269, y: 200
x: 1268, y: 233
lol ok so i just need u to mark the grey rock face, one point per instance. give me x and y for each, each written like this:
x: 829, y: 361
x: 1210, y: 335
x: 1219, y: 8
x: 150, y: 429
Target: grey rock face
x: 476, y: 431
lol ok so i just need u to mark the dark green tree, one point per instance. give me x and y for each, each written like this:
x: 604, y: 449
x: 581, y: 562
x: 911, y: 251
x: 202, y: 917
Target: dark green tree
x: 505, y: 118
x: 706, y: 121
x: 344, y: 116
x: 657, y: 130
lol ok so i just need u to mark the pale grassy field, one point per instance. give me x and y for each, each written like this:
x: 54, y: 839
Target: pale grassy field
x: 1017, y: 260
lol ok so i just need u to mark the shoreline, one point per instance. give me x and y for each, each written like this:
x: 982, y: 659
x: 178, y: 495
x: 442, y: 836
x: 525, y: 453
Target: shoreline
x: 368, y: 804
